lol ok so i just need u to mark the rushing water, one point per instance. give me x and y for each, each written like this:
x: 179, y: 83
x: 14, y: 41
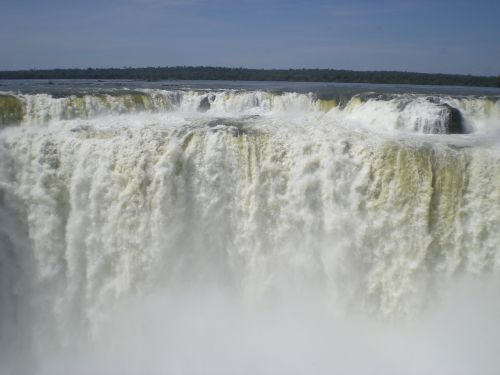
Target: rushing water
x: 257, y: 228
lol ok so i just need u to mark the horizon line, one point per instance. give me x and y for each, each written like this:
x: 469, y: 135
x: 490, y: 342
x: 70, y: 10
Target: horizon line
x: 242, y: 68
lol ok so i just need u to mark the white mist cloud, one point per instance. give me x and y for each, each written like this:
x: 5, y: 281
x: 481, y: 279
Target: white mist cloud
x: 208, y: 332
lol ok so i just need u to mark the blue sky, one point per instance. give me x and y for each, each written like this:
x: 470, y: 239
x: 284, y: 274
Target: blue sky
x: 425, y: 36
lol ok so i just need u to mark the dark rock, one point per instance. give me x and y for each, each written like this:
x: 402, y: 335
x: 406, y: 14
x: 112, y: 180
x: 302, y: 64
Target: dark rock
x: 433, y: 100
x: 204, y: 104
x: 453, y: 120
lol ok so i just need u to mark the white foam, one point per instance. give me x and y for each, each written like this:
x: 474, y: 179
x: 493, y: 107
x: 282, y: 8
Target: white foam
x: 108, y: 211
x: 398, y: 114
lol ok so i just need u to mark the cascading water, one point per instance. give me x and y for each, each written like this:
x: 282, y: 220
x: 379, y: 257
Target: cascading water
x: 166, y: 223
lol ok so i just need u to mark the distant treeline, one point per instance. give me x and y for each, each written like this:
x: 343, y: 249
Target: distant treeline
x: 242, y: 74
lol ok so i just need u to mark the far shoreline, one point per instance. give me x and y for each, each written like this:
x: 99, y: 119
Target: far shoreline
x: 186, y: 73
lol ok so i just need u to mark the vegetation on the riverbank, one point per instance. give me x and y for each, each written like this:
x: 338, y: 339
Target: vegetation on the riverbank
x: 242, y: 74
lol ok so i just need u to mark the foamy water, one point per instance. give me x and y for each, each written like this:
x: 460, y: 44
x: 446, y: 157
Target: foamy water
x: 236, y: 231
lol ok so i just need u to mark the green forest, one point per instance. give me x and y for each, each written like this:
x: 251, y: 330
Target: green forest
x: 243, y: 74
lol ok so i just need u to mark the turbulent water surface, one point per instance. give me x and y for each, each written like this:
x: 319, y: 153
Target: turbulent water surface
x: 255, y: 228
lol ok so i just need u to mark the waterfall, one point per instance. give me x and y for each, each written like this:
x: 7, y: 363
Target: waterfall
x: 267, y: 196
